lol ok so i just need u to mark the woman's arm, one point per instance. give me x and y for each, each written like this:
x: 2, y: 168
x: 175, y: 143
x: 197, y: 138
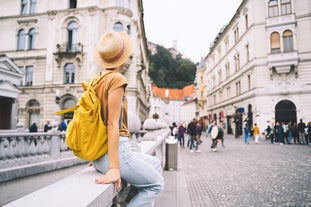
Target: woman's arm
x: 114, y: 110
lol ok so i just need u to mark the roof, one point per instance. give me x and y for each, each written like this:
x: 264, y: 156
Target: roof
x: 172, y: 93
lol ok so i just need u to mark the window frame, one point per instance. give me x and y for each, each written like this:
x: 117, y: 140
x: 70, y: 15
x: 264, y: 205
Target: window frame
x: 288, y: 44
x: 21, y: 39
x: 69, y: 73
x: 273, y: 8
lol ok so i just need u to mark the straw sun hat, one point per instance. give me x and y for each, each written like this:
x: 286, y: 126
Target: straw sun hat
x: 113, y: 49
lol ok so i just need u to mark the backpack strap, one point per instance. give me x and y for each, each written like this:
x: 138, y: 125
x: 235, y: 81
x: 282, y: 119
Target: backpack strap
x: 92, y: 84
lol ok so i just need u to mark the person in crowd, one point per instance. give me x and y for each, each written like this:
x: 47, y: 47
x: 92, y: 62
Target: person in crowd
x: 63, y: 125
x: 246, y: 134
x: 290, y: 132
x: 256, y: 133
x: 192, y: 131
x: 175, y: 130
x: 33, y: 127
x: 301, y: 132
x: 47, y: 126
x: 279, y: 133
x: 214, y: 139
x: 208, y: 129
x: 295, y: 133
x: 284, y: 126
x: 181, y: 134
x: 268, y: 132
x: 198, y: 133
x: 221, y: 126
x: 309, y: 132
x: 141, y: 171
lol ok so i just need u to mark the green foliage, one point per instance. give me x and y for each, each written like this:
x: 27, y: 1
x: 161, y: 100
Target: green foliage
x: 167, y: 72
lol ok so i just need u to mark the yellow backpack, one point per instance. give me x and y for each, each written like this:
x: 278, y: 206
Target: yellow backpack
x: 86, y: 134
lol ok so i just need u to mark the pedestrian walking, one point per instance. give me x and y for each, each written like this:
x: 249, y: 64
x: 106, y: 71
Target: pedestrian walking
x: 181, y: 134
x: 301, y: 131
x: 246, y: 134
x: 256, y: 133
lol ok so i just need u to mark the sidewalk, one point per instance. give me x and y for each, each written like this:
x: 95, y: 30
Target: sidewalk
x: 260, y: 175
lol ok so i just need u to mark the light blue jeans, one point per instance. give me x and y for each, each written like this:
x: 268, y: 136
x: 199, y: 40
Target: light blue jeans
x: 140, y: 170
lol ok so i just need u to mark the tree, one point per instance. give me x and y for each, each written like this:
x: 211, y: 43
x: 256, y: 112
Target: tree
x: 168, y: 72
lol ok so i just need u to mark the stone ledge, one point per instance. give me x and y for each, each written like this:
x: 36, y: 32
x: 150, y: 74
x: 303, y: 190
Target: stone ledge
x: 79, y: 189
x: 76, y: 190
x: 36, y: 168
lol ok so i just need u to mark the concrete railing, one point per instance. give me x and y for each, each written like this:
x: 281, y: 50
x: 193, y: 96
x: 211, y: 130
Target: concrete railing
x: 80, y: 190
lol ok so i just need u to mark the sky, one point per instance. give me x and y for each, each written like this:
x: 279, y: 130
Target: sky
x: 192, y: 24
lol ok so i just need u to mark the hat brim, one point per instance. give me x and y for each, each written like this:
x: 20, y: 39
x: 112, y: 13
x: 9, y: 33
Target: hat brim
x: 126, y: 54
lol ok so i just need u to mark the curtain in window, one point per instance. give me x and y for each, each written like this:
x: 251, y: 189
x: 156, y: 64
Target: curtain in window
x: 288, y: 41
x: 33, y: 6
x: 31, y: 39
x: 275, y: 42
x: 72, y: 29
x: 273, y: 8
x: 24, y: 5
x: 72, y: 4
x: 69, y: 73
x: 118, y: 27
x: 29, y: 75
x: 21, y: 42
x: 286, y: 7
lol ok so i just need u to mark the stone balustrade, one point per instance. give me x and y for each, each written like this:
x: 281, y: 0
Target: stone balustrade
x: 23, y: 153
x: 79, y: 189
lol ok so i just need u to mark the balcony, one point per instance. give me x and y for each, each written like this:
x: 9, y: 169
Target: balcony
x: 283, y: 62
x: 68, y: 51
x: 281, y: 20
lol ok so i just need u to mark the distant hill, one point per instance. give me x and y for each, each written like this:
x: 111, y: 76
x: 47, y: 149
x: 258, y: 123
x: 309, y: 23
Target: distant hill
x: 168, y: 69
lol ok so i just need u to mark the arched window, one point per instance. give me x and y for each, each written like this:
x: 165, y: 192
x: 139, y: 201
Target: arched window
x: 288, y: 41
x: 273, y: 8
x: 24, y: 6
x: 69, y: 73
x: 275, y: 43
x: 21, y: 42
x: 72, y: 30
x: 286, y: 7
x: 33, y: 109
x: 31, y: 38
x: 118, y: 27
x: 33, y: 6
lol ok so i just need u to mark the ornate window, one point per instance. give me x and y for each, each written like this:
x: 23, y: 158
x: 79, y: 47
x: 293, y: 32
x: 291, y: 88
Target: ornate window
x: 24, y: 6
x: 69, y: 73
x: 288, y: 41
x: 33, y: 6
x: 29, y: 75
x: 21, y: 40
x: 275, y: 43
x: 273, y: 8
x: 286, y: 7
x: 72, y: 30
x: 118, y: 27
x: 31, y: 38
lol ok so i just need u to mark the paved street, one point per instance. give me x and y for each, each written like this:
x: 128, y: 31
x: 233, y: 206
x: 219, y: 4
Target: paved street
x: 246, y: 175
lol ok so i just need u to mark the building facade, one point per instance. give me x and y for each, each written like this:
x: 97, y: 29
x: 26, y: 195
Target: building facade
x: 52, y: 43
x: 167, y: 104
x: 258, y: 69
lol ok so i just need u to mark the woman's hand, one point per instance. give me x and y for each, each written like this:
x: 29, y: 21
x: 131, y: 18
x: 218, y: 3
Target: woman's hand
x: 112, y: 176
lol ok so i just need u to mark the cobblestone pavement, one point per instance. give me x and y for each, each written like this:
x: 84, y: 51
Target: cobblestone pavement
x: 239, y: 175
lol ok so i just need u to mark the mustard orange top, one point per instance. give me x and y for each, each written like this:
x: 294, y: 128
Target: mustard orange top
x: 109, y: 83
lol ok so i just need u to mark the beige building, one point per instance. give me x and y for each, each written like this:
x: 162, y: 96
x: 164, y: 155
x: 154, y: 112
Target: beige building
x: 258, y: 69
x: 52, y: 43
